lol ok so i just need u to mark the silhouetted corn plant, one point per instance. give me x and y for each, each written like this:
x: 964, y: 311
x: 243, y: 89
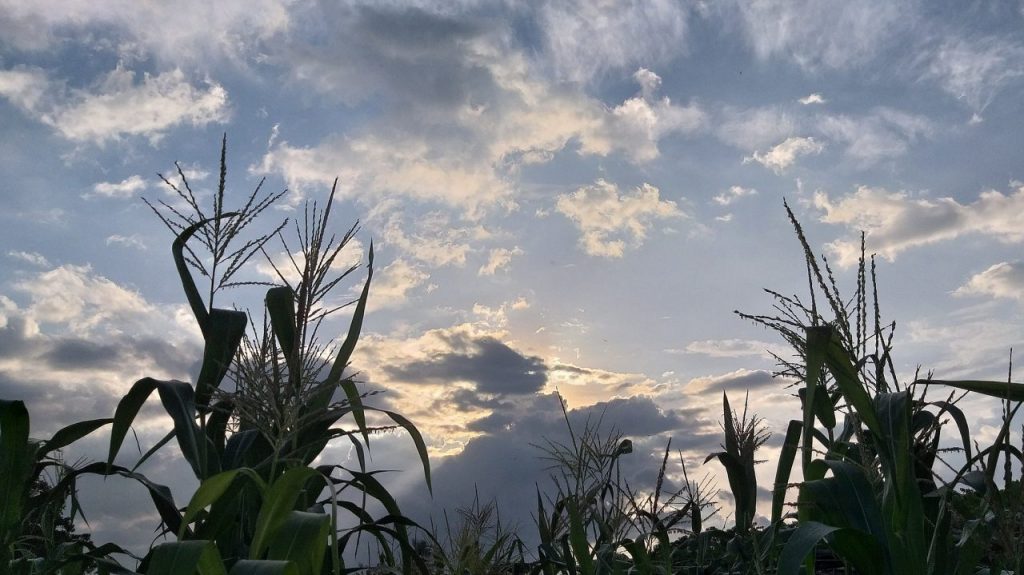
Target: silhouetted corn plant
x: 869, y: 490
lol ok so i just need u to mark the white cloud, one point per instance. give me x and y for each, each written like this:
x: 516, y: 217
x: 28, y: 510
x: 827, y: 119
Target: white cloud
x: 783, y: 155
x: 26, y: 88
x: 636, y: 126
x: 191, y: 30
x: 81, y: 300
x: 733, y: 348
x: 585, y: 39
x: 814, y: 98
x: 755, y: 128
x: 124, y: 189
x: 883, y: 134
x: 733, y: 194
x: 821, y: 33
x: 607, y: 219
x: 394, y: 283
x: 371, y: 168
x: 33, y: 258
x: 897, y: 221
x: 132, y: 241
x: 432, y: 238
x: 117, y: 105
x: 499, y: 259
x: 976, y: 70
x: 1002, y: 280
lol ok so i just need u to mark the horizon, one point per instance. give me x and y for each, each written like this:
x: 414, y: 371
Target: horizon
x: 568, y: 198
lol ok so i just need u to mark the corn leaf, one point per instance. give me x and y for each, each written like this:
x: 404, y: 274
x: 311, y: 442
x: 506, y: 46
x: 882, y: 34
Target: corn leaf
x: 278, y: 503
x: 15, y: 470
x: 302, y: 538
x: 71, y: 434
x: 785, y: 468
x: 1000, y: 389
x: 185, y: 558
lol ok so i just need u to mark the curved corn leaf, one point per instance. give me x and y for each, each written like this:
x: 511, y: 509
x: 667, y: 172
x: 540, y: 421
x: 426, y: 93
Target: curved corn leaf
x: 195, y: 301
x: 185, y: 558
x: 211, y: 490
x: 421, y: 446
x: 280, y: 302
x: 278, y: 503
x: 161, y: 495
x: 178, y: 400
x: 961, y: 423
x: 801, y: 542
x: 224, y: 333
x: 302, y: 538
x: 1000, y: 389
x: 71, y: 434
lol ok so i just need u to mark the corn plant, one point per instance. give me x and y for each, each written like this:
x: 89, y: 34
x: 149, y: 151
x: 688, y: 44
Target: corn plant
x: 260, y: 506
x: 596, y: 523
x: 869, y: 490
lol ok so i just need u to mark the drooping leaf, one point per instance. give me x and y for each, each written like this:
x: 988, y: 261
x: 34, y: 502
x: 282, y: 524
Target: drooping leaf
x: 1000, y: 389
x: 801, y: 542
x: 71, y: 434
x: 224, y: 333
x: 185, y: 558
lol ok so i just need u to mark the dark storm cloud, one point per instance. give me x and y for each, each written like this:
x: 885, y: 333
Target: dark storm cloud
x: 490, y: 364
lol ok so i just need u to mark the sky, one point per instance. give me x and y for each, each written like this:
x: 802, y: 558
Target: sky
x: 569, y: 196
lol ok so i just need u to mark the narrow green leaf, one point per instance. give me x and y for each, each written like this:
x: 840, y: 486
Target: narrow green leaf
x: 15, y: 471
x: 302, y: 538
x: 816, y: 340
x: 72, y: 433
x: 801, y: 542
x: 280, y: 303
x: 187, y: 283
x: 417, y: 438
x: 578, y: 539
x: 345, y: 353
x: 1000, y: 389
x: 785, y: 468
x: 211, y: 489
x: 278, y: 503
x: 225, y: 329
x: 185, y: 558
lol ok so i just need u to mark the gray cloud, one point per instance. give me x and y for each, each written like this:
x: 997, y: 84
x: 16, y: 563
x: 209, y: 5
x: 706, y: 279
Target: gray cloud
x: 490, y: 364
x: 504, y: 463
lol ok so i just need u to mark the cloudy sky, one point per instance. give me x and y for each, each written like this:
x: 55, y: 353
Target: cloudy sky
x: 571, y: 196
